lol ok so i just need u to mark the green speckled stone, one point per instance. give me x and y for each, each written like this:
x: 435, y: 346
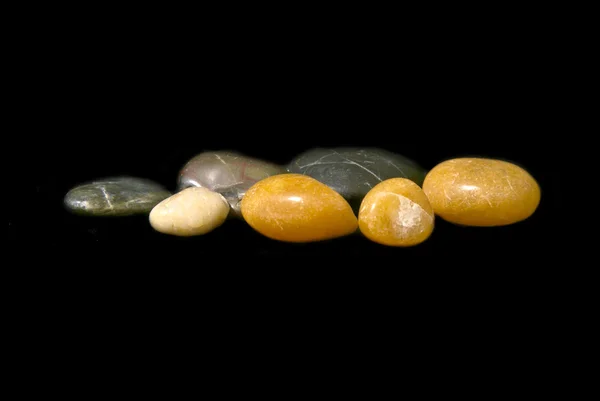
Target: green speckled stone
x: 352, y: 172
x: 119, y: 196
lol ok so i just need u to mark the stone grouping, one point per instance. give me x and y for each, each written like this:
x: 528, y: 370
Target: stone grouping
x: 321, y: 194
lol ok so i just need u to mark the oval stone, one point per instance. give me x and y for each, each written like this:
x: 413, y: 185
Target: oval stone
x: 481, y: 192
x: 396, y: 212
x: 297, y: 208
x: 352, y: 172
x: 193, y: 211
x: 225, y: 172
x: 118, y: 196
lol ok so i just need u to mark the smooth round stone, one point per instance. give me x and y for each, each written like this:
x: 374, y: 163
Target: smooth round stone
x: 225, y: 172
x: 118, y: 196
x: 193, y: 211
x: 481, y: 192
x: 353, y: 172
x: 297, y: 208
x: 396, y: 212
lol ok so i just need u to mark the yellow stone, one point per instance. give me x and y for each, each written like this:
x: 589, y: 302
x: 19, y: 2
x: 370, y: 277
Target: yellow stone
x: 396, y: 212
x: 193, y: 211
x: 481, y: 192
x: 297, y: 208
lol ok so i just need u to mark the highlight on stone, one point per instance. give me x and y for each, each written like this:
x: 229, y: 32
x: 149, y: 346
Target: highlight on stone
x: 193, y: 211
x: 481, y: 192
x: 396, y: 212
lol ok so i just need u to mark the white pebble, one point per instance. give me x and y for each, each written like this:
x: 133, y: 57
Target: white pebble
x: 193, y: 211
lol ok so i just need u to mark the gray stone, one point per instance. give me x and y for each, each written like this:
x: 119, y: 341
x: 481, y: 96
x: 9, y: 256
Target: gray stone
x: 229, y: 173
x: 118, y: 196
x: 352, y: 172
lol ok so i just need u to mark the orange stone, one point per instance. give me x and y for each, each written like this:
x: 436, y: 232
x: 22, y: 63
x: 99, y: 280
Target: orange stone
x: 396, y: 212
x: 297, y: 208
x: 481, y: 192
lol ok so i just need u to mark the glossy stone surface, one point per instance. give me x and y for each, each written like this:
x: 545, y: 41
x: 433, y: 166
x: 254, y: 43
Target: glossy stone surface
x: 193, y: 211
x: 396, y: 212
x: 352, y: 172
x: 481, y: 192
x: 118, y: 196
x: 297, y: 208
x: 225, y: 172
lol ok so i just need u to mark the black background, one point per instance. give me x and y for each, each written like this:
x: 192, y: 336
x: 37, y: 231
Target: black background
x: 99, y: 96
x: 142, y: 105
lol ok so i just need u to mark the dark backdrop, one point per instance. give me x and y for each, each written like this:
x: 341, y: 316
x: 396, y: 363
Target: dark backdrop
x: 108, y: 106
x: 115, y: 97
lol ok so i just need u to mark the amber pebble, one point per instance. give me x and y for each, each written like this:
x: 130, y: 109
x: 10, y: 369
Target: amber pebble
x: 481, y: 192
x: 396, y: 212
x: 297, y: 208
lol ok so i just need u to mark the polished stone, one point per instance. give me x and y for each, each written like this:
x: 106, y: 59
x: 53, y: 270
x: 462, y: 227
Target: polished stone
x: 225, y: 172
x: 193, y: 211
x: 118, y: 196
x: 481, y: 192
x: 352, y: 172
x: 396, y: 212
x: 297, y: 208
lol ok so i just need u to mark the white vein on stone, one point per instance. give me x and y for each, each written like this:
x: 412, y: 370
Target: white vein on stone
x: 107, y: 197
